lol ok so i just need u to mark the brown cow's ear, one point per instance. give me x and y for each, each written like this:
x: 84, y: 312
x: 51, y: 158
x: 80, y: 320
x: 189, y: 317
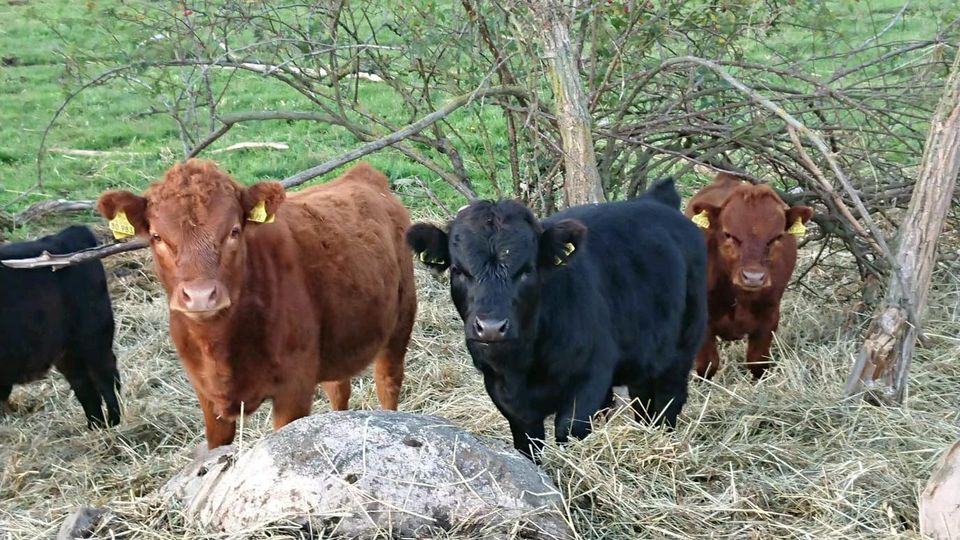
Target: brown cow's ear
x: 560, y: 241
x: 430, y: 245
x: 706, y: 215
x: 124, y: 210
x: 261, y: 201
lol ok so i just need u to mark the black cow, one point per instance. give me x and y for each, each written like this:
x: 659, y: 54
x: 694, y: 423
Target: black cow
x: 554, y: 319
x: 62, y: 318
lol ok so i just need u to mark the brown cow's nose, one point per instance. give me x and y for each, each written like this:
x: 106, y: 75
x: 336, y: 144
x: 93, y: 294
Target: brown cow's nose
x: 201, y: 295
x: 491, y: 329
x: 754, y: 279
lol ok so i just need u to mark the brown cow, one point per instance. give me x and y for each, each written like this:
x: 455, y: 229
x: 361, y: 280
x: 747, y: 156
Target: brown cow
x: 752, y: 251
x: 264, y: 307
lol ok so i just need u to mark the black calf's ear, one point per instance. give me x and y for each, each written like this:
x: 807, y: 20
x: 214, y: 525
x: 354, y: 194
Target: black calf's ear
x: 560, y: 241
x: 430, y: 245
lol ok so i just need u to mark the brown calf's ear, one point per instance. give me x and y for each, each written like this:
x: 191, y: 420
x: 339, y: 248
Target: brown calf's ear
x: 261, y: 201
x: 126, y: 212
x: 796, y: 217
x: 706, y: 215
x: 430, y: 245
x: 802, y: 213
x: 560, y: 241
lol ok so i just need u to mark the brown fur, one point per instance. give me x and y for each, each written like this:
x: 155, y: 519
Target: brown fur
x: 747, y: 236
x: 315, y: 296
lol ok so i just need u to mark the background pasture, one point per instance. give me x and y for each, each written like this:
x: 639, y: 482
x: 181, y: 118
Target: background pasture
x: 783, y: 458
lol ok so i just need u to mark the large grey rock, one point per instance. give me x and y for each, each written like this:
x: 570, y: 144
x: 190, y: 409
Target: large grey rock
x: 359, y: 474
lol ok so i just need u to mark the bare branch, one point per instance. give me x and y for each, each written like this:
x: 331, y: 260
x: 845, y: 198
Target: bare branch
x: 403, y: 133
x: 48, y: 260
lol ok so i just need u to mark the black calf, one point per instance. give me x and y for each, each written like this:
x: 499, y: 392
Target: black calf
x: 63, y: 318
x: 554, y: 319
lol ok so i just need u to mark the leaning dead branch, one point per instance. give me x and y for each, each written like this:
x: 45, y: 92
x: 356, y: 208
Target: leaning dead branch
x: 251, y: 146
x: 91, y: 153
x: 883, y: 362
x: 57, y: 261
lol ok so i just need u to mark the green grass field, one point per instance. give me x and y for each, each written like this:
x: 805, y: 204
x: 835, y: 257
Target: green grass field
x: 39, y: 39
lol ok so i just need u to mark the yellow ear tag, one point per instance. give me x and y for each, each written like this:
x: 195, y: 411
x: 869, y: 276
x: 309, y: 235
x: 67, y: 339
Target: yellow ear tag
x: 798, y: 229
x: 568, y: 248
x: 121, y: 226
x: 701, y: 220
x: 258, y: 214
x: 425, y: 260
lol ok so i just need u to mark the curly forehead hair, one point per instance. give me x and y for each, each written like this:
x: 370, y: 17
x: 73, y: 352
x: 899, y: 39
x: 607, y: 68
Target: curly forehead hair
x: 757, y: 195
x: 496, y: 214
x: 192, y: 185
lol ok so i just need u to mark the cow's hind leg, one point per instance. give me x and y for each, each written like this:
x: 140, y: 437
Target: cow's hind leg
x: 5, y: 390
x: 388, y: 367
x: 83, y: 387
x: 388, y: 377
x: 103, y: 372
x: 338, y: 392
x: 641, y: 399
x: 670, y: 394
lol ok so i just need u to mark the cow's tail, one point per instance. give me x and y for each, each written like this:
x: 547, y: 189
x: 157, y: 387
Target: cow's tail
x: 664, y: 191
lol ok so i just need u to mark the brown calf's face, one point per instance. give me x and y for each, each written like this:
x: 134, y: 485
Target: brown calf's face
x: 750, y: 229
x: 196, y: 218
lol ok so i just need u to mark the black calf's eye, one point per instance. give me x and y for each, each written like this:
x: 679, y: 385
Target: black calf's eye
x: 456, y: 271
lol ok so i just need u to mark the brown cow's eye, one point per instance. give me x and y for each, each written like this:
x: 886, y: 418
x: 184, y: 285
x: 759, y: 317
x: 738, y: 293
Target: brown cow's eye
x: 235, y: 232
x: 729, y: 236
x: 155, y: 237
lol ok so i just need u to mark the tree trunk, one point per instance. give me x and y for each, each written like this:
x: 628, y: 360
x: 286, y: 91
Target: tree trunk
x: 581, y: 179
x: 884, y: 360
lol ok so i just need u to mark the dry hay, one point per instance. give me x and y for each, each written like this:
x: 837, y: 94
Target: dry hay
x: 784, y: 458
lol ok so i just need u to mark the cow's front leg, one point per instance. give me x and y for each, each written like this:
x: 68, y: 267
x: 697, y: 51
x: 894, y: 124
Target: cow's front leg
x: 527, y: 437
x: 576, y: 417
x: 758, y: 352
x: 295, y: 400
x: 220, y: 432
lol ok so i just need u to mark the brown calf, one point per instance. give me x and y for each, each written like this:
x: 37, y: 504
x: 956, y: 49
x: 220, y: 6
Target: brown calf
x: 751, y: 252
x: 271, y: 293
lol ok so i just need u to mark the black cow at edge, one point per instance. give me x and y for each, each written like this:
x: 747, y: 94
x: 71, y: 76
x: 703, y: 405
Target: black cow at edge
x: 62, y: 318
x: 558, y: 312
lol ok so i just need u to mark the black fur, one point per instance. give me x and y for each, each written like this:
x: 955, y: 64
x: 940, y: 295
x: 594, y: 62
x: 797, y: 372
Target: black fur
x: 61, y: 318
x: 627, y: 306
